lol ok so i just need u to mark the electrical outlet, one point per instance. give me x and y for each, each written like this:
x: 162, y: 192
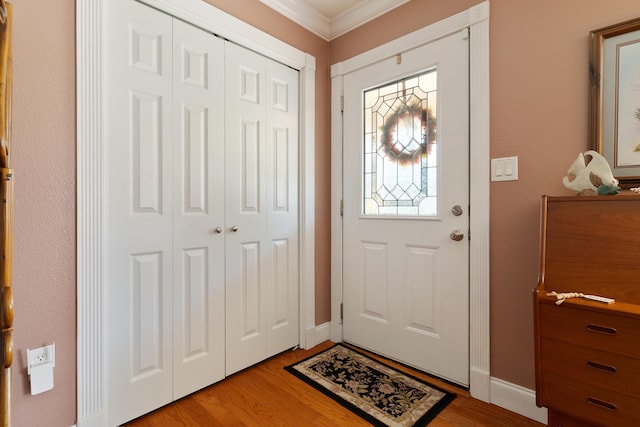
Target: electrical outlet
x: 41, y: 355
x: 40, y: 364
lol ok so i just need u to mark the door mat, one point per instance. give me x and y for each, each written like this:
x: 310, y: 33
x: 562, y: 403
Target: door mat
x: 376, y: 392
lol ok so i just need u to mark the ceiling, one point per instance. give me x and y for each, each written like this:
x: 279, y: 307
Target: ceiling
x: 332, y: 18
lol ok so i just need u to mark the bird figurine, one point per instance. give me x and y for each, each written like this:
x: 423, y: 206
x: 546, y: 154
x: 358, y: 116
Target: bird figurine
x: 594, y: 177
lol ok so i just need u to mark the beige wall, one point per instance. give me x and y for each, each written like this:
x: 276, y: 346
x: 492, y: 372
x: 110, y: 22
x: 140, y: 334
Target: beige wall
x: 539, y: 80
x: 538, y: 112
x: 43, y: 156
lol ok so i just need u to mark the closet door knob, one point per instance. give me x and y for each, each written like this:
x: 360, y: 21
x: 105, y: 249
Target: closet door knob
x: 234, y: 228
x: 218, y: 230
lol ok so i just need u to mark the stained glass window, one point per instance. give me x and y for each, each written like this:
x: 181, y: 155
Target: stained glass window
x: 400, y: 147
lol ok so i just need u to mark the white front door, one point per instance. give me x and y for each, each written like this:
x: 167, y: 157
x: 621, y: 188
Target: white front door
x: 406, y: 203
x: 261, y: 207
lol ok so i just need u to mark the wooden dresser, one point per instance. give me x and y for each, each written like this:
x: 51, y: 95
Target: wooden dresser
x: 588, y: 353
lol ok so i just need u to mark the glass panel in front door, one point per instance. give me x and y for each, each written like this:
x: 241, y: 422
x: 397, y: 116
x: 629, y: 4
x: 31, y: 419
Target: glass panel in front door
x: 400, y: 149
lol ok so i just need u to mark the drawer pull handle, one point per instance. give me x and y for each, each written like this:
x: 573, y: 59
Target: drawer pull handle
x: 602, y: 329
x: 602, y: 404
x: 600, y: 367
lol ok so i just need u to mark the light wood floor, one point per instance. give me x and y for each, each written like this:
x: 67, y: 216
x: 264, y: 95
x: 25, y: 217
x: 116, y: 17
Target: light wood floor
x: 267, y: 395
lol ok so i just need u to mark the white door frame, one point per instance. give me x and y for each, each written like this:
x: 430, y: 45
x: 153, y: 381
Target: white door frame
x: 476, y: 19
x: 91, y: 40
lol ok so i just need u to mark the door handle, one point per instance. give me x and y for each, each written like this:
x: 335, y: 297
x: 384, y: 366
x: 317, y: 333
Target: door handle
x: 456, y: 235
x: 234, y: 228
x: 218, y: 230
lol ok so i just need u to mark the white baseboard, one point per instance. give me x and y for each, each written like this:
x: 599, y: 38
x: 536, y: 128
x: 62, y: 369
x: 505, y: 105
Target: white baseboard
x: 517, y: 399
x: 336, y: 331
x: 480, y: 384
x: 318, y: 334
x: 96, y: 420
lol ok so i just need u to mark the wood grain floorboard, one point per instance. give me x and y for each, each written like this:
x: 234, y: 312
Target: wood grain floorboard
x: 266, y: 395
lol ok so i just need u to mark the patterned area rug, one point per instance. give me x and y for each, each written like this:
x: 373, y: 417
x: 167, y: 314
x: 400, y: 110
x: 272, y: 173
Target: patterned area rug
x: 376, y: 392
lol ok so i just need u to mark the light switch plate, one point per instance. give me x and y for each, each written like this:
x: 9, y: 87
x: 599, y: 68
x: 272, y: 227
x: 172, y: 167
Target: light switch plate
x: 504, y: 169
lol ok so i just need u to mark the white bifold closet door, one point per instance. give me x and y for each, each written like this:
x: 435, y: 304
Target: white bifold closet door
x: 188, y: 299
x: 165, y: 264
x: 262, y: 205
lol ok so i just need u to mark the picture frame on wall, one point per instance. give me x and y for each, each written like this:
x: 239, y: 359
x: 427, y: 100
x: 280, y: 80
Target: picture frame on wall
x: 614, y: 98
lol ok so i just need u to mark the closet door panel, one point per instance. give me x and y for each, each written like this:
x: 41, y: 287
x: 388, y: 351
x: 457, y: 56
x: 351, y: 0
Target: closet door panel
x: 245, y: 200
x: 249, y: 146
x: 250, y: 326
x: 262, y: 202
x: 139, y: 217
x: 282, y: 206
x: 198, y: 210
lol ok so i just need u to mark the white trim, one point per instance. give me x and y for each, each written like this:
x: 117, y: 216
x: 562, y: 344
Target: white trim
x: 90, y: 44
x: 477, y: 20
x: 207, y: 17
x: 337, y: 90
x: 331, y: 27
x: 360, y: 14
x: 479, y: 160
x: 307, y: 200
x: 303, y: 14
x: 405, y: 43
x: 517, y: 399
x: 318, y: 334
x: 90, y: 187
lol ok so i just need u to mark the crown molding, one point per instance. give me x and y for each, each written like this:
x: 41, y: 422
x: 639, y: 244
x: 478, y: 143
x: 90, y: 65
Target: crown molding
x: 329, y: 28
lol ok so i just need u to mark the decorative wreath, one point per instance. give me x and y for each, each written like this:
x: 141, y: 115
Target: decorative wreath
x: 401, y: 150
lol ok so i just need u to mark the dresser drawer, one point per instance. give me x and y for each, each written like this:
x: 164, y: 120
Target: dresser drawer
x: 608, y: 370
x: 591, y: 403
x: 609, y: 332
x: 558, y: 419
